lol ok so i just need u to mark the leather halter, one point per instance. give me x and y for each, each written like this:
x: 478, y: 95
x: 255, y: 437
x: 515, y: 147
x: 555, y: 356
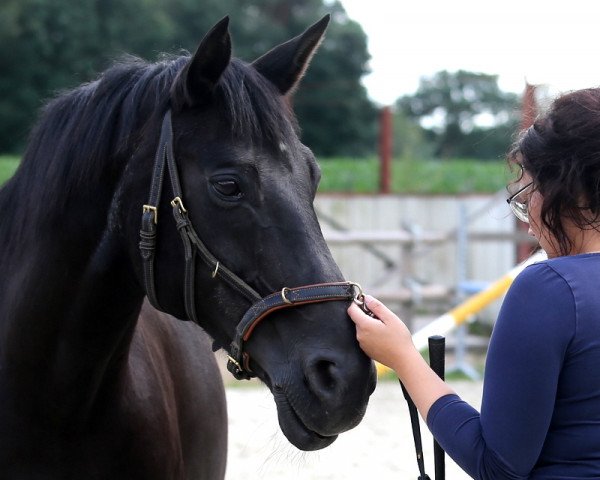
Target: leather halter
x: 238, y: 363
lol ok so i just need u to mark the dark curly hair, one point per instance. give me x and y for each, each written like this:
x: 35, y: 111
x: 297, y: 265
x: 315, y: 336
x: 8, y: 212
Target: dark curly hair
x: 561, y: 152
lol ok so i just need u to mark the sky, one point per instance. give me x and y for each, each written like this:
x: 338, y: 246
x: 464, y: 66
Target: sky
x: 555, y: 44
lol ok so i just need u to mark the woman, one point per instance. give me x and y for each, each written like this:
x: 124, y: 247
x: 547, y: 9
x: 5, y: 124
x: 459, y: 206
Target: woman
x: 540, y: 412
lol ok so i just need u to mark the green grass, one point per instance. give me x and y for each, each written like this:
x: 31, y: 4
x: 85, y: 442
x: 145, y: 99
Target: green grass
x: 414, y: 176
x: 408, y: 176
x: 8, y: 165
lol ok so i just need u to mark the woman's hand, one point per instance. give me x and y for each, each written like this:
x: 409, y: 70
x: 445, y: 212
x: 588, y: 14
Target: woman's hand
x: 387, y: 340
x: 384, y: 338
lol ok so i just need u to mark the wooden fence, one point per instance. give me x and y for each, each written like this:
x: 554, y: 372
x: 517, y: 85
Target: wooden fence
x: 416, y: 250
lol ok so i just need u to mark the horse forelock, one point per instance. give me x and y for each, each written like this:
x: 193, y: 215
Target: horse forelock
x: 254, y: 107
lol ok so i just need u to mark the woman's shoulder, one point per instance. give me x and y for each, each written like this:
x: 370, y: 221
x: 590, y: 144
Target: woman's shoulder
x: 545, y: 299
x: 558, y: 283
x: 542, y: 283
x: 574, y: 270
x: 542, y: 271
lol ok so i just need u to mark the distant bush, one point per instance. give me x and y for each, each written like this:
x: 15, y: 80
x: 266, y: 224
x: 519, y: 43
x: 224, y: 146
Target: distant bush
x: 414, y: 176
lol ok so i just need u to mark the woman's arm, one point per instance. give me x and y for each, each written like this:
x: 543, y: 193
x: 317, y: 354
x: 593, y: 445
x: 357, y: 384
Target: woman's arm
x: 528, y: 346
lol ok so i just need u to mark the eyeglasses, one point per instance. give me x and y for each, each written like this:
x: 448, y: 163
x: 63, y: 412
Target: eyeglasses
x: 518, y: 207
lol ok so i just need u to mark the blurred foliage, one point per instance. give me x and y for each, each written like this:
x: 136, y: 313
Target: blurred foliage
x: 410, y: 140
x: 8, y: 165
x: 463, y: 114
x: 450, y: 176
x: 51, y: 45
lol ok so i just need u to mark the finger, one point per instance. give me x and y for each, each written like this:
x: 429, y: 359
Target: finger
x: 355, y: 313
x: 359, y: 317
x: 378, y: 308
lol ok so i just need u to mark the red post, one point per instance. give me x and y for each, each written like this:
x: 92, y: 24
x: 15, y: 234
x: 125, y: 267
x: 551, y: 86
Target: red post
x: 528, y: 114
x: 528, y: 107
x: 385, y: 150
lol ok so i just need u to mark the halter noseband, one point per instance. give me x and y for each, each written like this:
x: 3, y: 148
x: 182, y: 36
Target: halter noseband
x: 238, y: 363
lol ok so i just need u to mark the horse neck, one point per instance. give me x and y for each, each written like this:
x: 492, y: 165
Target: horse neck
x: 68, y: 299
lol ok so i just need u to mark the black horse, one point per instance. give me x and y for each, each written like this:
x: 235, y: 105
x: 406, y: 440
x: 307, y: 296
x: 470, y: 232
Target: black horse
x: 95, y: 383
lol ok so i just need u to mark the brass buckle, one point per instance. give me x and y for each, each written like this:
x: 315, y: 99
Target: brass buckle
x: 216, y: 270
x: 176, y: 202
x: 150, y: 208
x: 283, y: 297
x: 235, y: 362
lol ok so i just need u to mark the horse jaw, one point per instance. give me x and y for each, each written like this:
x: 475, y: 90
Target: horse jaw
x: 294, y: 429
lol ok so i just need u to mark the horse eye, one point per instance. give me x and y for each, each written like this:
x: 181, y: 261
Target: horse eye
x: 228, y: 188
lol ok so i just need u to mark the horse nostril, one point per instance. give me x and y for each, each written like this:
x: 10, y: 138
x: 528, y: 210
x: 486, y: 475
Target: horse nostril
x: 321, y: 376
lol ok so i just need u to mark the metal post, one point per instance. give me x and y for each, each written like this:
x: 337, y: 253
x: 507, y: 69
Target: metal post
x: 437, y: 361
x: 460, y: 336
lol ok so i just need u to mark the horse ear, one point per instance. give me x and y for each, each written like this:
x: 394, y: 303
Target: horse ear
x: 285, y: 64
x: 196, y: 81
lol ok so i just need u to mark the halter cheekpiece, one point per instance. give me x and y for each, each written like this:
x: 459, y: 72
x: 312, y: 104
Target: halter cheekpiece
x: 238, y: 363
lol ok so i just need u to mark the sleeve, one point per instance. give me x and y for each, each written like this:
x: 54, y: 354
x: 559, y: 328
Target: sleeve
x: 527, y: 349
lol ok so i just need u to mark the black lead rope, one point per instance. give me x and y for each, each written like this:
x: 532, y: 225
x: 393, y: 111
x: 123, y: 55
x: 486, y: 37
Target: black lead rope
x: 412, y: 408
x: 416, y: 430
x: 437, y: 347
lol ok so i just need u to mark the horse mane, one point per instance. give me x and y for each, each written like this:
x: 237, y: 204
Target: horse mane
x: 82, y: 135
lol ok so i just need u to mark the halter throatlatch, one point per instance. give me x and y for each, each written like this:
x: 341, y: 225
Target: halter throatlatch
x: 238, y: 363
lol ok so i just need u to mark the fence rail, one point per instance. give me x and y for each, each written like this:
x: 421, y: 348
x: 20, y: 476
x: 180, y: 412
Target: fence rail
x: 403, y: 237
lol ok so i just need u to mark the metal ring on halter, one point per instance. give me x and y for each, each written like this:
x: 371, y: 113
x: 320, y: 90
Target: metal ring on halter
x: 359, y: 299
x: 359, y: 296
x: 214, y: 273
x: 284, y: 298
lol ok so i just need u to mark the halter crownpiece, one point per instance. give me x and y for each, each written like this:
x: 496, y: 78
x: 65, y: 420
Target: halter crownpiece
x: 239, y: 360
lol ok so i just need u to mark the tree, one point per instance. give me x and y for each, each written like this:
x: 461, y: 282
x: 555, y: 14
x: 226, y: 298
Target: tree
x: 335, y: 113
x: 466, y: 113
x: 410, y: 140
x: 51, y: 45
x: 332, y: 106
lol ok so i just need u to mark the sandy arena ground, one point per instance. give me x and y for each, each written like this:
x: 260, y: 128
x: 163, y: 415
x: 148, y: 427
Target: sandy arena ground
x: 381, y: 447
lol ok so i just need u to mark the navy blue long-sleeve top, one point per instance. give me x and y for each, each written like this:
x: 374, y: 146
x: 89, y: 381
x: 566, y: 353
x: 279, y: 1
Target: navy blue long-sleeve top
x: 540, y: 411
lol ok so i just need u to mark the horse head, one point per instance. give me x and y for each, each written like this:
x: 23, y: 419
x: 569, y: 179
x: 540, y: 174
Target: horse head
x: 233, y: 172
